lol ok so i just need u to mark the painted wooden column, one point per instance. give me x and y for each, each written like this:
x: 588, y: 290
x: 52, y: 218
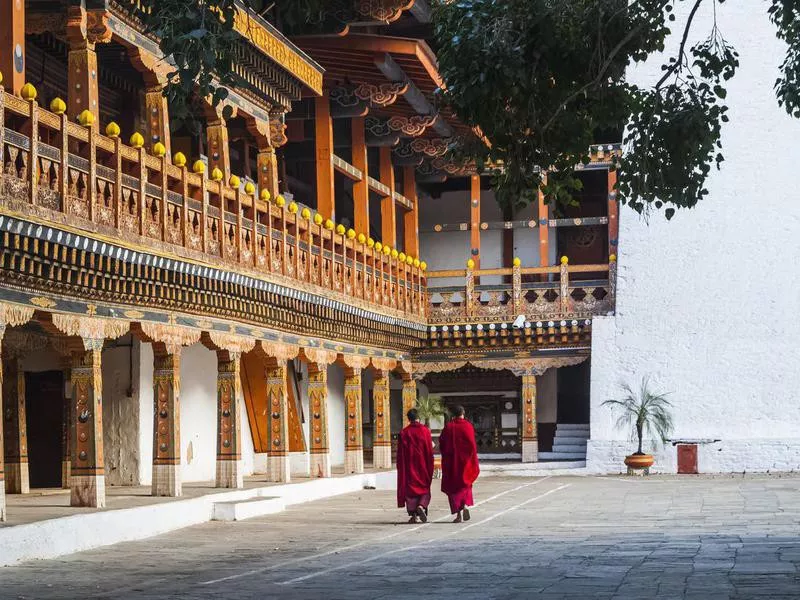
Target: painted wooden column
x: 388, y: 211
x: 88, y: 484
x: 2, y: 446
x: 66, y: 434
x: 354, y: 442
x: 382, y: 424
x: 475, y: 219
x: 318, y: 407
x: 267, y: 165
x: 613, y: 214
x: 157, y: 118
x: 12, y: 32
x: 166, y: 423
x: 411, y: 217
x: 229, y: 420
x: 360, y: 188
x: 409, y: 394
x: 530, y: 442
x: 544, y: 228
x: 278, y: 466
x: 323, y: 143
x: 15, y: 430
x: 82, y: 82
x: 218, y: 147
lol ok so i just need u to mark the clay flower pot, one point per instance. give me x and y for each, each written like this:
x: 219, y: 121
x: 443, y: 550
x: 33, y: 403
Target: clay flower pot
x: 639, y: 461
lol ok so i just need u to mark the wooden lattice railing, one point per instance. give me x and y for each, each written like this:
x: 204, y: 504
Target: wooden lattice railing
x: 75, y: 175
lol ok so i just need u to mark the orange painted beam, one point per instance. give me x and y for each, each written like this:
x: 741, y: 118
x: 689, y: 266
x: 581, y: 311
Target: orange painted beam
x: 12, y: 34
x: 475, y: 219
x: 613, y: 213
x: 411, y: 217
x: 388, y: 211
x: 323, y: 140
x: 360, y: 188
x: 254, y: 389
x: 544, y: 228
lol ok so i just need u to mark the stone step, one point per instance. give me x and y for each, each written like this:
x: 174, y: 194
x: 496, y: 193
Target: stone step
x: 562, y: 455
x: 558, y: 449
x: 571, y: 439
x: 247, y: 509
x: 572, y: 426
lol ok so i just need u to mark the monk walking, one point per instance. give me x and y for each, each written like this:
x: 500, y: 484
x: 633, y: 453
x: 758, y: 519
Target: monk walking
x: 459, y: 463
x: 414, y: 468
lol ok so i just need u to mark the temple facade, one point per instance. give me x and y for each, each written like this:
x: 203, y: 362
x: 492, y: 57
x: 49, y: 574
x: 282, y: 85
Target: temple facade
x: 269, y: 297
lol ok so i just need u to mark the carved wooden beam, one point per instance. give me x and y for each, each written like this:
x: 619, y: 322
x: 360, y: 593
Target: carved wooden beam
x: 378, y: 133
x: 346, y: 105
x: 381, y: 95
x: 404, y: 156
x: 383, y: 10
x: 412, y: 126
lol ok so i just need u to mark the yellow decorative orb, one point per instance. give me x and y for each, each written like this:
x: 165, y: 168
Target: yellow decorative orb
x: 328, y: 224
x: 423, y: 265
x: 136, y: 140
x: 86, y: 118
x: 249, y: 188
x: 417, y: 263
x: 159, y: 149
x: 517, y: 261
x: 362, y: 239
x: 112, y: 130
x: 612, y: 258
x: 216, y: 174
x: 179, y: 159
x: 1, y: 77
x: 351, y: 234
x: 265, y: 195
x: 305, y: 213
x: 234, y: 181
x: 199, y: 166
x: 564, y: 260
x: 394, y: 253
x: 370, y: 243
x: 401, y: 257
x: 340, y: 229
x: 409, y: 260
x: 58, y: 106
x: 28, y: 92
x: 293, y: 207
x: 387, y: 250
x: 318, y: 219
x: 280, y: 201
x: 378, y: 246
x: 470, y: 264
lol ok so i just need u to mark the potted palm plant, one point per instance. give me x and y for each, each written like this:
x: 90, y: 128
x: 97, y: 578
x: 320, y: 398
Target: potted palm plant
x: 431, y: 408
x: 646, y: 414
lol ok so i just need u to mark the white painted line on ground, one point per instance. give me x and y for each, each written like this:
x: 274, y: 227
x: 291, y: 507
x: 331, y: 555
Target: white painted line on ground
x: 419, y: 545
x: 364, y: 543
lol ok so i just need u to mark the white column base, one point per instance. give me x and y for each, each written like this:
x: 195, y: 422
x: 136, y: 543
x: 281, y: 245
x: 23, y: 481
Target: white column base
x: 279, y: 469
x: 530, y: 451
x: 88, y: 490
x: 382, y: 457
x: 167, y: 481
x: 300, y: 464
x: 229, y: 474
x: 66, y: 466
x: 321, y: 465
x: 353, y: 461
x: 17, y: 478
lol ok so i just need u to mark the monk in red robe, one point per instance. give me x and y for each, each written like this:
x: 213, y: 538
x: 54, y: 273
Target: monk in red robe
x: 414, y: 468
x: 459, y: 463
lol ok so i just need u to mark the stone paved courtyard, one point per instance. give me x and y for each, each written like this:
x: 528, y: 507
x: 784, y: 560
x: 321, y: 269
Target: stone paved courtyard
x: 558, y: 537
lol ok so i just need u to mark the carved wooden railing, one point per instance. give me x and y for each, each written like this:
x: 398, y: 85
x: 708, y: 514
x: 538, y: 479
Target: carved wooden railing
x: 75, y: 176
x: 555, y: 298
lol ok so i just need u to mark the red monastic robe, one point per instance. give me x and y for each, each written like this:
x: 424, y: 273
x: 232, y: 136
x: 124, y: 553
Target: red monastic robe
x: 459, y: 462
x: 414, y: 462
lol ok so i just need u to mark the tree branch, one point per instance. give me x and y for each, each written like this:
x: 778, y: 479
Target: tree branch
x: 679, y: 60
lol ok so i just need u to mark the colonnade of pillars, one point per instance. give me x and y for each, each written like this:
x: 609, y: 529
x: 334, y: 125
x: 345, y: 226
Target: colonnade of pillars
x: 83, y: 463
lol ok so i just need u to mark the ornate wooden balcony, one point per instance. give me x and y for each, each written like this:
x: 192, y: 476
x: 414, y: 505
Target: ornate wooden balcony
x: 76, y: 178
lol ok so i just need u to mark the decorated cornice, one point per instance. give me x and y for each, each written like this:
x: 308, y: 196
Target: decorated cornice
x: 90, y: 328
x: 381, y: 95
x: 411, y: 126
x: 355, y: 362
x: 383, y: 364
x: 518, y: 366
x: 318, y: 356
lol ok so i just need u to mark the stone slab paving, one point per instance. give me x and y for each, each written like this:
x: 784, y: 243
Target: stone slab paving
x: 557, y: 537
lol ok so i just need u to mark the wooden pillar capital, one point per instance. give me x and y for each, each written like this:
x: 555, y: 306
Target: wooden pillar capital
x: 229, y: 391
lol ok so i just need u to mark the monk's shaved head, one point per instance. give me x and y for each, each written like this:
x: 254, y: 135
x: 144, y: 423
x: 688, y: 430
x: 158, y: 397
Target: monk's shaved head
x: 413, y: 415
x: 458, y: 411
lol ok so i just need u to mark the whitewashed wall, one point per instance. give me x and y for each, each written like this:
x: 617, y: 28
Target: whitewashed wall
x: 708, y: 303
x: 336, y: 414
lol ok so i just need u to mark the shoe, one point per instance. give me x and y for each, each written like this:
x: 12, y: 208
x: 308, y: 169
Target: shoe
x: 422, y: 514
x: 465, y: 512
x: 458, y: 518
x: 413, y: 519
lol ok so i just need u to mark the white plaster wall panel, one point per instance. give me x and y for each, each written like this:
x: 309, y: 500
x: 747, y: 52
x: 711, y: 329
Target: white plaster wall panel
x: 120, y: 418
x: 249, y: 465
x: 707, y: 303
x: 336, y: 414
x: 143, y: 390
x: 199, y: 413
